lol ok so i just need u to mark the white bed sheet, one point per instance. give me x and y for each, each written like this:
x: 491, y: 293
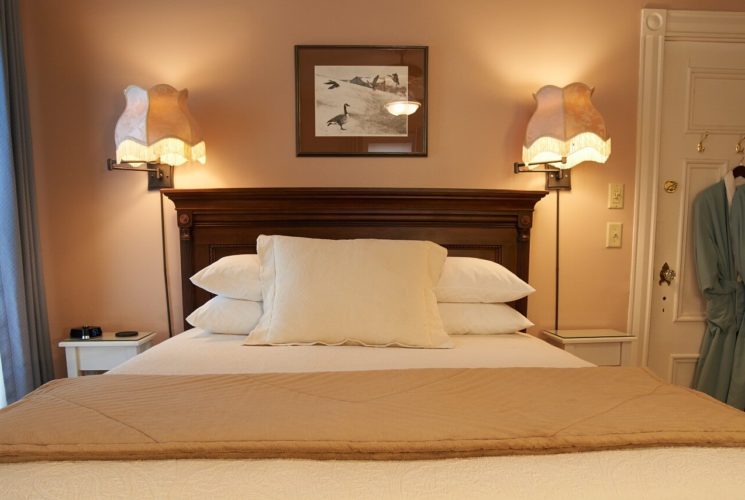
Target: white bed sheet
x: 654, y: 474
x: 196, y: 351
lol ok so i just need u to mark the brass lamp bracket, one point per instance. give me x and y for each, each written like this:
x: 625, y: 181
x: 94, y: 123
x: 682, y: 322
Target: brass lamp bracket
x: 159, y: 175
x: 556, y: 178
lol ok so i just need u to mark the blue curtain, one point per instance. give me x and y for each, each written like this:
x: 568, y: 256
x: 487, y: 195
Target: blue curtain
x: 24, y: 335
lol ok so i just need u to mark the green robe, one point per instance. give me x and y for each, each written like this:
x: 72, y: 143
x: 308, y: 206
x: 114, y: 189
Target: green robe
x: 719, y: 253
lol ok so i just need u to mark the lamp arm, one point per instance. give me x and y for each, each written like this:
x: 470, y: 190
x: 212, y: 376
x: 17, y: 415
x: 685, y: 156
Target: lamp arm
x: 519, y: 166
x: 157, y: 167
x: 556, y: 178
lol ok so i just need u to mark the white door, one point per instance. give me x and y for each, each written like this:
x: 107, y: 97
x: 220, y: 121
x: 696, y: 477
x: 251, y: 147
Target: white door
x: 703, y: 93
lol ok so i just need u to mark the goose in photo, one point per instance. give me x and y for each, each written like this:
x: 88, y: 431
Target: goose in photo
x: 332, y: 84
x: 340, y: 119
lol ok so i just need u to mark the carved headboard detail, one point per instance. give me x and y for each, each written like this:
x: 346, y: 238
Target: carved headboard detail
x: 489, y: 224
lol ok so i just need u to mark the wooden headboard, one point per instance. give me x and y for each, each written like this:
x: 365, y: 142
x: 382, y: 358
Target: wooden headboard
x: 489, y: 224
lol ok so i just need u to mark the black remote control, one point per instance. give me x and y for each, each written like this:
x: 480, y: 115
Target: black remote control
x: 126, y: 334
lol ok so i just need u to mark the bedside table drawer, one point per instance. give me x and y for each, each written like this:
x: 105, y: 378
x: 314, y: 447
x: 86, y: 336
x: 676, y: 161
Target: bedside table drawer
x: 104, y: 358
x: 608, y: 354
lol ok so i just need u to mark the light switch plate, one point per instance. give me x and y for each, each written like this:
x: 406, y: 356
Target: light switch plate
x: 615, y: 195
x: 614, y: 235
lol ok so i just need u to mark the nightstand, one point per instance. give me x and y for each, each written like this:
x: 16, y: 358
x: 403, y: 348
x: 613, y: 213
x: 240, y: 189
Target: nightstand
x: 602, y: 347
x: 104, y: 352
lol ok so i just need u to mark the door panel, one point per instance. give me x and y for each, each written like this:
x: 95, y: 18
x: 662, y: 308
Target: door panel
x: 715, y: 100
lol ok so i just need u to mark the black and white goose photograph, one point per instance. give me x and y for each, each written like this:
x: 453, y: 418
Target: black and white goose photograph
x: 351, y: 100
x: 361, y: 100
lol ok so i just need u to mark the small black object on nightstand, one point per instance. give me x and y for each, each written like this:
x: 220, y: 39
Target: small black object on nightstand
x: 126, y: 334
x: 85, y: 332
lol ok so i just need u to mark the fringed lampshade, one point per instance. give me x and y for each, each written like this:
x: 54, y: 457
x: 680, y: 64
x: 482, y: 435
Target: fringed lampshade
x: 565, y: 129
x: 157, y: 126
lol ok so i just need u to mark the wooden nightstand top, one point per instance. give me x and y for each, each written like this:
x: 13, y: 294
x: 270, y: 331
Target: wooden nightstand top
x: 588, y: 335
x: 107, y: 339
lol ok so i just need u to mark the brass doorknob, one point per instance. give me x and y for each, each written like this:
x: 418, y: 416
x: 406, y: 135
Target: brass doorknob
x: 667, y: 275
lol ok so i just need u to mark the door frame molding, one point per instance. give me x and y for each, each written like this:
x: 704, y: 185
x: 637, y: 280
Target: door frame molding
x: 659, y: 26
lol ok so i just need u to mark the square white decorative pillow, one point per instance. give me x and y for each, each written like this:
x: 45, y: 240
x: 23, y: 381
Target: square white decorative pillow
x: 481, y: 318
x: 333, y: 292
x: 466, y: 279
x: 225, y: 315
x: 234, y: 276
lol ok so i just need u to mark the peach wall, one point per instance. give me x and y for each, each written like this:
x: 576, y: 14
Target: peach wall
x: 100, y: 230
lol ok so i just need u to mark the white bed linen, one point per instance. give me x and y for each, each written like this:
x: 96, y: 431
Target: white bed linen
x: 655, y: 474
x: 196, y: 351
x: 658, y: 473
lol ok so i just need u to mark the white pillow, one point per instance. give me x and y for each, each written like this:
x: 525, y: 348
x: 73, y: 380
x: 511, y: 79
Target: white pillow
x: 466, y: 279
x: 481, y: 318
x: 225, y: 315
x: 368, y: 292
x: 234, y: 276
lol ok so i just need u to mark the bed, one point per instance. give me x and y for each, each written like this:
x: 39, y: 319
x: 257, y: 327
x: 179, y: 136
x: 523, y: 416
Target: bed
x: 488, y: 224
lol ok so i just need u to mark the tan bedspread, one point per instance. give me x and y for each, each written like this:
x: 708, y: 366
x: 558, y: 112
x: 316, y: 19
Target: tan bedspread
x: 387, y: 415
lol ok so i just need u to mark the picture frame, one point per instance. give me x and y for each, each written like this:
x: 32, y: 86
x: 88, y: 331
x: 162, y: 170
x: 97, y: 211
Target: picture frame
x: 341, y: 92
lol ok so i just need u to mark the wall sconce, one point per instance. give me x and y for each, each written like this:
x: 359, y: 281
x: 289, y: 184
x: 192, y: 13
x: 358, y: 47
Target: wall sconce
x: 399, y: 108
x: 158, y: 130
x: 565, y: 130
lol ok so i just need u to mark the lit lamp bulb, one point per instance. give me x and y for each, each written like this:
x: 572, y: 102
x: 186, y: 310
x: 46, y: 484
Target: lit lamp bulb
x: 399, y: 108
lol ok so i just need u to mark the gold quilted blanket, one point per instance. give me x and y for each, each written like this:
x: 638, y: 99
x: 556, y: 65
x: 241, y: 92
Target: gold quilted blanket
x: 374, y: 415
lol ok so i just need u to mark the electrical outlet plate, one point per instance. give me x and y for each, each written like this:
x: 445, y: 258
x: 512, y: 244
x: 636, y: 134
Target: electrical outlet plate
x: 615, y: 195
x: 614, y: 235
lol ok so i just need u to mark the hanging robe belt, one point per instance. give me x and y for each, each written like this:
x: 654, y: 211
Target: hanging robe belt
x: 725, y: 287
x: 723, y: 308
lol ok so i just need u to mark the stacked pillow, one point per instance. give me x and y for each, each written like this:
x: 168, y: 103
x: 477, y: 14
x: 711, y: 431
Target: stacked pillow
x: 331, y: 295
x: 471, y: 296
x: 236, y: 282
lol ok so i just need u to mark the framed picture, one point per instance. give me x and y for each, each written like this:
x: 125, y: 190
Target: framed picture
x: 343, y: 94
